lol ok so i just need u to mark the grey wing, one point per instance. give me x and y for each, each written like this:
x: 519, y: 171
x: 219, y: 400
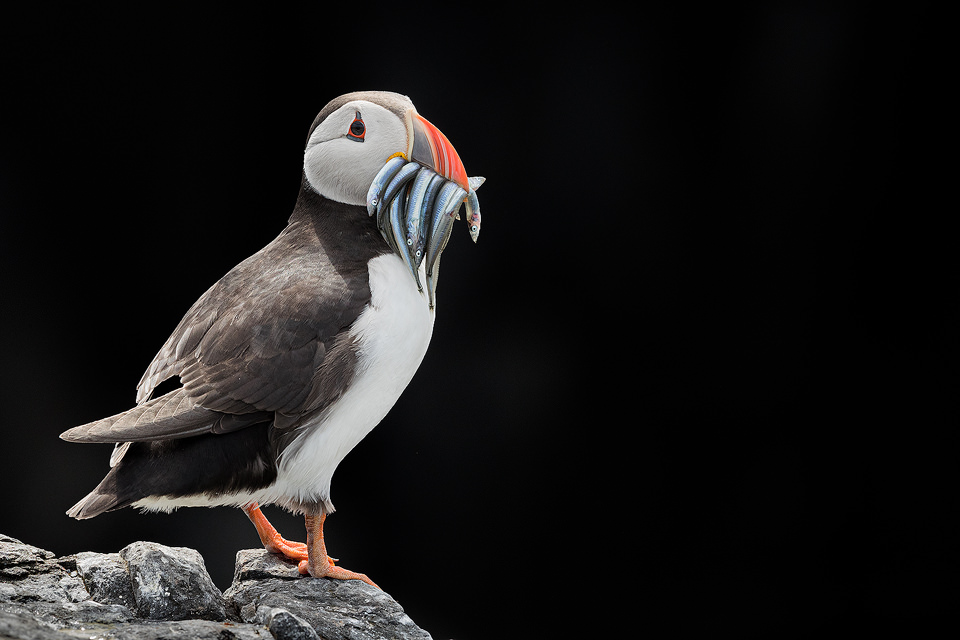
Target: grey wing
x: 271, y: 337
x: 174, y: 415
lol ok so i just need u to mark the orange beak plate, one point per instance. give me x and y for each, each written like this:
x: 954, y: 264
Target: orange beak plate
x: 429, y: 147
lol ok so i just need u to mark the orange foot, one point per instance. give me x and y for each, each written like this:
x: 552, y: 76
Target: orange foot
x: 271, y: 538
x: 312, y: 557
x: 318, y: 564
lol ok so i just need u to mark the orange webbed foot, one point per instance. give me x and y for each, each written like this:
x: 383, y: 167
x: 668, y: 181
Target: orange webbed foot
x: 330, y: 570
x: 312, y: 559
x: 271, y: 538
x: 319, y: 564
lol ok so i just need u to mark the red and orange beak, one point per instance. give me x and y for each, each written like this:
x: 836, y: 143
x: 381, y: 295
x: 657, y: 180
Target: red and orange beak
x: 430, y: 148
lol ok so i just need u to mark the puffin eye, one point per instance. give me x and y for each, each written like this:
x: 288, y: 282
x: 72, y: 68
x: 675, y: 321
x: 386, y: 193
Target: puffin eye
x: 357, y: 129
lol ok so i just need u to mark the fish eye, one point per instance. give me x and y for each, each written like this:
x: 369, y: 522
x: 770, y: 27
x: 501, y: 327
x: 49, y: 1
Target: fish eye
x: 357, y: 129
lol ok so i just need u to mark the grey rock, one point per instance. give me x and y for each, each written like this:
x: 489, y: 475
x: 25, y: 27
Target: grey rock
x: 152, y: 592
x: 69, y: 614
x: 285, y: 625
x: 106, y: 578
x: 257, y: 564
x: 172, y: 583
x: 336, y: 609
x: 47, y: 592
x: 18, y: 559
x: 182, y: 630
x: 21, y: 625
x: 30, y: 574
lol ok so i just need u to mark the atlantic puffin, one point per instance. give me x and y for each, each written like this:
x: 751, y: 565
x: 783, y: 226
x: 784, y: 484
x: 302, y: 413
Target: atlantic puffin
x: 292, y: 357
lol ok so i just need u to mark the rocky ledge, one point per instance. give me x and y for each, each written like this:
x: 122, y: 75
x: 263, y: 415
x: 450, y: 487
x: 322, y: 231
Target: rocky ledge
x: 150, y: 592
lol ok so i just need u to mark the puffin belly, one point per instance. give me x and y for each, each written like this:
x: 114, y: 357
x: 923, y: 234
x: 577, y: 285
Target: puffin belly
x: 392, y: 335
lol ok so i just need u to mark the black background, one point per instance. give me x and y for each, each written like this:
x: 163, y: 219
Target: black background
x: 698, y: 372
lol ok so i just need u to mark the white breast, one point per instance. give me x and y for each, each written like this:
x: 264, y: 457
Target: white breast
x: 393, y: 334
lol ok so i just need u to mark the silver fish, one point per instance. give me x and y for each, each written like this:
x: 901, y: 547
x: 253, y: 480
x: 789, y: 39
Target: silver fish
x: 441, y: 221
x: 386, y: 174
x: 426, y: 211
x: 414, y: 219
x: 432, y: 276
x: 472, y: 206
x: 398, y: 229
x: 386, y: 230
x: 404, y: 175
x: 387, y: 233
x: 418, y: 216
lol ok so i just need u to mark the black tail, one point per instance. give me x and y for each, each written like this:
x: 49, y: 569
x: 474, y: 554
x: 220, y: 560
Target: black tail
x: 214, y: 464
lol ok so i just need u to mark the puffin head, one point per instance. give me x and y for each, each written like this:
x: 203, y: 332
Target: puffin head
x: 354, y: 135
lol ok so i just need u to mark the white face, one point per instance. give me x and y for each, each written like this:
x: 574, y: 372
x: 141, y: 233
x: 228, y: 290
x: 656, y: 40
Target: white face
x: 341, y: 165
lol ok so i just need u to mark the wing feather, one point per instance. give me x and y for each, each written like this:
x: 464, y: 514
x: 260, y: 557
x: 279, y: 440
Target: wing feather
x: 145, y: 422
x: 271, y: 338
x: 257, y: 340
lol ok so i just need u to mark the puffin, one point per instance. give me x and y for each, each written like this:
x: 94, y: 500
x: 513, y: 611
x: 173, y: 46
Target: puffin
x: 299, y: 351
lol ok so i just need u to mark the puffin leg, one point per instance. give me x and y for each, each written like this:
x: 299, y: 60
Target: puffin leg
x: 318, y: 564
x: 271, y: 538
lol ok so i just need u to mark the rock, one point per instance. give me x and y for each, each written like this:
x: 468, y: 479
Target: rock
x: 31, y: 574
x: 257, y: 564
x: 41, y: 594
x: 336, y: 609
x: 18, y: 559
x: 106, y: 579
x: 284, y: 625
x: 17, y: 624
x: 22, y: 625
x: 173, y: 584
x: 151, y: 592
